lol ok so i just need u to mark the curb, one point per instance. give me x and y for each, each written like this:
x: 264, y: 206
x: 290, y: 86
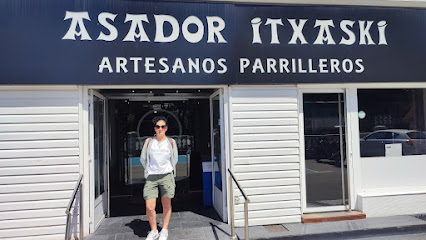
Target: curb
x: 354, y: 233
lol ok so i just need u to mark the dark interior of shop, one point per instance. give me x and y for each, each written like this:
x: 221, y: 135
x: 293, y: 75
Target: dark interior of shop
x: 130, y: 121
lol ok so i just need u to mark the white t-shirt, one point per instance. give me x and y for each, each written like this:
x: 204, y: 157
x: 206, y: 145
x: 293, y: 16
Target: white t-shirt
x: 160, y: 158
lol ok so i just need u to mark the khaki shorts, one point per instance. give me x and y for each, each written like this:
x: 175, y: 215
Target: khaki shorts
x: 164, y: 182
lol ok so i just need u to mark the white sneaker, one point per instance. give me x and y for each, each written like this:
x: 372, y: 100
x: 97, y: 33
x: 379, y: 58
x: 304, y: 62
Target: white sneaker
x: 164, y: 234
x: 152, y: 235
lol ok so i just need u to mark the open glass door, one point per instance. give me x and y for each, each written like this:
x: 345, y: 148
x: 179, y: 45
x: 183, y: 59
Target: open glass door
x: 218, y: 152
x: 98, y: 155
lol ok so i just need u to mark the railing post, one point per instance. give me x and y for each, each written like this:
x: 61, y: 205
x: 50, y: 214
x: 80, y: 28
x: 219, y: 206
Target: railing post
x: 231, y: 205
x: 67, y: 229
x: 81, y: 212
x: 246, y: 219
x: 231, y: 200
x: 68, y: 209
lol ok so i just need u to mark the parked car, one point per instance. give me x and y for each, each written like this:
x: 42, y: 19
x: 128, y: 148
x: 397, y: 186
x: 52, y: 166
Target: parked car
x: 413, y: 142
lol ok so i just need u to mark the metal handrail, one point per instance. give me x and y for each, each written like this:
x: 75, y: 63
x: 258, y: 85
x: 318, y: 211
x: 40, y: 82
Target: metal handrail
x: 68, y: 209
x: 231, y: 199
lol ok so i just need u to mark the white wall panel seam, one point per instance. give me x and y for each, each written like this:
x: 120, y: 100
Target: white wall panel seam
x: 45, y: 152
x: 39, y: 170
x: 54, y: 135
x: 35, y: 222
x: 48, y: 195
x: 69, y: 160
x: 39, y: 144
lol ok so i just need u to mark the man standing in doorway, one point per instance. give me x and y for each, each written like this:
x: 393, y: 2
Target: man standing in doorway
x: 159, y: 157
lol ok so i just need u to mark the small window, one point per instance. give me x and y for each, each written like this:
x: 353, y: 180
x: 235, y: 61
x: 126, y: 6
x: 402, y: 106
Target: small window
x: 391, y: 135
x: 417, y: 135
x: 379, y: 135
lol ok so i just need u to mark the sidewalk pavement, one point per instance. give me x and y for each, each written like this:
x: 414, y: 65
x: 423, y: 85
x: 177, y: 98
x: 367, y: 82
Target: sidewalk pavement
x: 189, y: 225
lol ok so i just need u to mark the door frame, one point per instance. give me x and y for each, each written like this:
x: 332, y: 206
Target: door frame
x: 94, y: 225
x: 304, y: 207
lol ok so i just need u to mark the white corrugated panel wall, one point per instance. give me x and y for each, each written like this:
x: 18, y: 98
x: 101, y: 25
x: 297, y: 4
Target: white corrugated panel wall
x: 265, y: 154
x: 39, y: 162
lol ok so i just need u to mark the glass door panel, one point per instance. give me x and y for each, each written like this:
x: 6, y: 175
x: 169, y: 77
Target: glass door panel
x: 98, y: 106
x: 99, y: 155
x: 217, y: 152
x: 216, y: 136
x: 325, y: 149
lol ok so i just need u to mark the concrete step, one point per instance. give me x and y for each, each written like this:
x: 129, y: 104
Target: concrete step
x: 332, y: 216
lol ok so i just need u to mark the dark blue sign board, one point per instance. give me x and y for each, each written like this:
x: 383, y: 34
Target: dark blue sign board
x: 151, y: 42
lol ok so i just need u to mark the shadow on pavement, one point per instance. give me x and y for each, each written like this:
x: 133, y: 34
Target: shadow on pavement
x: 139, y: 227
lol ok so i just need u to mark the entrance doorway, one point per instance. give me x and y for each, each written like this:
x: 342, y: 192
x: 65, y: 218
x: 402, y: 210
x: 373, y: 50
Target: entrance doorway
x: 196, y: 122
x: 325, y: 152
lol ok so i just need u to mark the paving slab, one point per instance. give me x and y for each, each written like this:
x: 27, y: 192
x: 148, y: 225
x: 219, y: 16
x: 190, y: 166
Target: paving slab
x: 186, y: 233
x: 217, y: 232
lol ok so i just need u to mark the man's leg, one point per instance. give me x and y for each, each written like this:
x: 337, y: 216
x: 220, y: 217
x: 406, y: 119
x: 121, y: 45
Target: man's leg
x: 167, y: 211
x: 150, y: 213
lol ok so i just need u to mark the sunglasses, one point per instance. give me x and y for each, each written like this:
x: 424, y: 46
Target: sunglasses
x: 162, y: 126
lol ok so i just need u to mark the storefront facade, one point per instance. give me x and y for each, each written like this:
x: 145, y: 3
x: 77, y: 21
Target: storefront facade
x: 314, y: 108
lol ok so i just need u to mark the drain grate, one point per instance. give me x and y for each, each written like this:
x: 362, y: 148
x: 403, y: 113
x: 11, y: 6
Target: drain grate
x: 275, y: 228
x: 421, y: 216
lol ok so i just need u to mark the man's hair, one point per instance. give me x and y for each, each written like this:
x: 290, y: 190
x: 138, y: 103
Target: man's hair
x: 159, y: 118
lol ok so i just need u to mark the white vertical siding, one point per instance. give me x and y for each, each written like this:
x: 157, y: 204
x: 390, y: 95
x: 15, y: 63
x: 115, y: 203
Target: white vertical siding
x: 265, y: 154
x: 39, y: 162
